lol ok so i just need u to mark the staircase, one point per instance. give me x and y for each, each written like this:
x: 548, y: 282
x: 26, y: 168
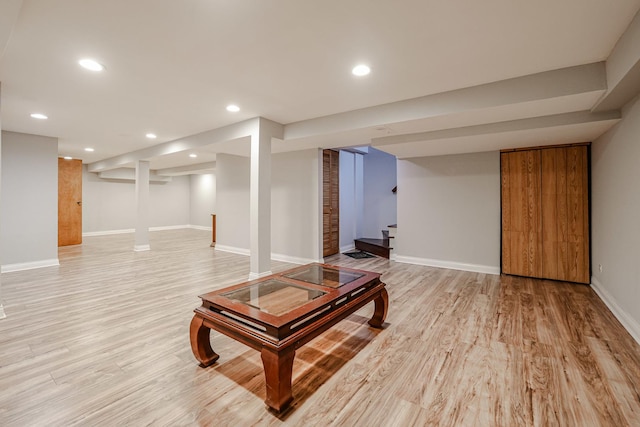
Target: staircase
x: 380, y: 247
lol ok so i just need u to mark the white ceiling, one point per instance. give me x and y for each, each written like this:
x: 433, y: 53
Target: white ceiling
x: 173, y: 66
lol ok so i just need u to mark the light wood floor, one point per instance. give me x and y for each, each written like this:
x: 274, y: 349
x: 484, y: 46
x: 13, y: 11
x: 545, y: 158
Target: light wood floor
x: 103, y: 340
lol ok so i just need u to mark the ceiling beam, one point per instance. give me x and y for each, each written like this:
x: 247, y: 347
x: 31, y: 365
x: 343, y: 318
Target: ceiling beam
x: 550, y: 84
x: 579, y: 117
x: 187, y: 170
x: 129, y: 174
x: 623, y: 69
x: 223, y: 134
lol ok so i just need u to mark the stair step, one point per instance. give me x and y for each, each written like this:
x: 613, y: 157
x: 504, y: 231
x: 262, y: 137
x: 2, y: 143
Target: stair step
x: 378, y: 247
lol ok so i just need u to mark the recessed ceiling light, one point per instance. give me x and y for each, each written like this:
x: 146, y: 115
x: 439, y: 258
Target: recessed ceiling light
x: 193, y: 156
x: 89, y: 149
x: 39, y: 116
x: 68, y: 158
x: 233, y: 108
x: 91, y: 64
x: 361, y: 70
x: 151, y: 135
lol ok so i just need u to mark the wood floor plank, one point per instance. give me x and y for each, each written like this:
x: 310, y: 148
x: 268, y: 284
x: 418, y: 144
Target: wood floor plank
x: 82, y: 346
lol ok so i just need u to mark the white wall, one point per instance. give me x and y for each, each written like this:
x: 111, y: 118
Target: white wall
x: 110, y: 205
x: 615, y: 217
x: 202, y: 199
x: 295, y: 210
x: 232, y: 203
x: 449, y: 211
x: 295, y: 206
x: 380, y: 204
x: 107, y: 205
x: 29, y: 204
x: 169, y: 202
x: 348, y: 207
x: 367, y: 205
x: 2, y: 314
x: 359, y: 182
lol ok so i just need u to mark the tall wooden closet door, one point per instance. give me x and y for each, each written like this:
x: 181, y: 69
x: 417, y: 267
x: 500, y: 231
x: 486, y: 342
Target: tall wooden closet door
x: 565, y: 214
x: 521, y: 213
x: 69, y: 202
x: 330, y: 202
x: 554, y: 213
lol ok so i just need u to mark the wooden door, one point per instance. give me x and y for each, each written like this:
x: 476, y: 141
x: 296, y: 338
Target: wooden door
x: 69, y: 202
x: 545, y: 213
x: 521, y: 213
x: 554, y: 213
x: 565, y: 214
x: 330, y: 203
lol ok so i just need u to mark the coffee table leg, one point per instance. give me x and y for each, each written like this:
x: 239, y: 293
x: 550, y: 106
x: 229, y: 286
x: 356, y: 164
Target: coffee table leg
x: 382, y: 304
x: 278, y: 368
x: 200, y: 343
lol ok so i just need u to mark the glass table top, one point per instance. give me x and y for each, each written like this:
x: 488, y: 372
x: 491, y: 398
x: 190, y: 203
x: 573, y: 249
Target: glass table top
x: 324, y: 276
x: 274, y: 296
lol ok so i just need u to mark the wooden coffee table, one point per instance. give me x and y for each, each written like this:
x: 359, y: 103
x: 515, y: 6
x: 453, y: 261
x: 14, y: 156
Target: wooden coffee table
x: 279, y: 313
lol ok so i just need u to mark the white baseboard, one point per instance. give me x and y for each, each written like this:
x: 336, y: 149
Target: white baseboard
x: 141, y: 248
x: 254, y: 276
x: 476, y: 268
x: 169, y: 227
x: 274, y: 257
x: 200, y: 227
x: 347, y: 248
x: 2, y: 313
x: 107, y: 233
x: 133, y: 230
x: 292, y: 259
x: 232, y: 249
x: 7, y: 268
x: 629, y: 323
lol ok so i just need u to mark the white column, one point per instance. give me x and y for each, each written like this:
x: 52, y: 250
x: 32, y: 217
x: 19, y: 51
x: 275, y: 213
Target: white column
x: 359, y: 190
x: 142, y: 206
x: 2, y: 315
x: 260, y: 203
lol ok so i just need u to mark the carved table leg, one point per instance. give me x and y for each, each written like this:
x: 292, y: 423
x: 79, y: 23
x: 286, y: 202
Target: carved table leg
x: 200, y: 343
x: 382, y: 304
x: 278, y: 368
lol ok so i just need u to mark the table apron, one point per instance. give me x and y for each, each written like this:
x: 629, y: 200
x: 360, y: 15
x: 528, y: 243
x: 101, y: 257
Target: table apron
x: 298, y: 338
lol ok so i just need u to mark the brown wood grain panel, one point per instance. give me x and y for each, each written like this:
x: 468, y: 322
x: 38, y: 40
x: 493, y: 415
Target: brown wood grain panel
x: 577, y: 215
x: 517, y: 171
x: 554, y: 207
x: 535, y: 213
x: 330, y: 203
x: 550, y: 208
x: 506, y: 213
x: 69, y: 202
x: 522, y: 240
x: 561, y: 221
x: 585, y: 276
x: 519, y: 216
x: 565, y: 207
x: 550, y: 242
